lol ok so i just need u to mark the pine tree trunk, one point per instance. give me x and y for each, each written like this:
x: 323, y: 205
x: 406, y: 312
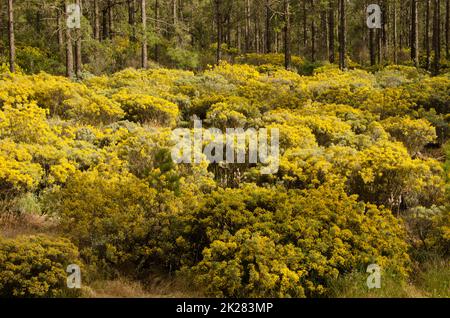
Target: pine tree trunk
x: 12, y: 44
x: 78, y: 60
x: 287, y: 35
x: 305, y: 26
x: 217, y: 4
x: 384, y: 31
x: 69, y: 47
x: 394, y: 31
x: 437, y: 36
x: 268, y: 31
x: 110, y: 20
x: 175, y: 13
x: 105, y: 25
x: 247, y: 26
x: 414, y: 42
x: 144, y: 57
x: 60, y: 27
x: 427, y: 34
x: 323, y: 35
x: 313, y: 35
x: 96, y: 21
x: 157, y: 29
x: 132, y: 18
x: 342, y: 35
x: 331, y: 27
x: 447, y: 29
x: 372, y: 47
x: 1, y: 24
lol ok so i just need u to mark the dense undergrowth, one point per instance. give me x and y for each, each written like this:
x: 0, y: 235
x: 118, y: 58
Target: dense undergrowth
x: 364, y: 178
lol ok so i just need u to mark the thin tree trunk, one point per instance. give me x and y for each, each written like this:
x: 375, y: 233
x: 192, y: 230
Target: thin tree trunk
x: 379, y: 46
x: 219, y: 30
x: 313, y: 35
x: 394, y: 31
x: 247, y: 26
x: 305, y: 26
x: 157, y: 29
x: 427, y: 34
x: 12, y: 44
x: 132, y: 18
x: 110, y: 20
x: 69, y: 47
x: 144, y: 57
x: 60, y: 27
x: 175, y: 13
x: 414, y: 33
x: 331, y: 27
x: 1, y: 25
x: 323, y: 35
x: 96, y: 21
x: 342, y: 35
x: 372, y: 47
x: 447, y: 29
x: 268, y: 31
x: 287, y: 35
x: 78, y: 61
x: 384, y: 31
x: 437, y: 36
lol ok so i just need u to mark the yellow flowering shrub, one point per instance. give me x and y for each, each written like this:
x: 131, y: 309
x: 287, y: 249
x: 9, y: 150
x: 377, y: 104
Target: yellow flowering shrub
x: 35, y: 266
x: 271, y: 243
x: 17, y: 171
x: 414, y: 133
x: 147, y: 109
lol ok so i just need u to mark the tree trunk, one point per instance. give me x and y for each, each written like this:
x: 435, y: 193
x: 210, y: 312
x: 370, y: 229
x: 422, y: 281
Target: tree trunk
x: 12, y: 44
x: 447, y: 27
x: 110, y: 19
x: 313, y: 35
x: 144, y: 57
x: 372, y: 47
x: 305, y: 26
x: 1, y: 24
x: 69, y: 47
x: 96, y: 21
x: 437, y: 36
x: 175, y: 13
x: 132, y: 18
x: 287, y: 35
x: 157, y: 29
x: 59, y: 22
x: 268, y: 31
x: 323, y: 35
x: 394, y: 31
x: 427, y: 34
x: 342, y: 35
x: 379, y: 46
x: 247, y: 26
x: 78, y: 61
x: 105, y: 25
x: 331, y: 27
x: 384, y: 31
x: 217, y: 5
x: 414, y: 33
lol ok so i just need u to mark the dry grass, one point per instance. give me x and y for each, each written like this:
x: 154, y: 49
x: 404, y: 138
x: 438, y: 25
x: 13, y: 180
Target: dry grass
x: 13, y: 225
x: 124, y: 288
